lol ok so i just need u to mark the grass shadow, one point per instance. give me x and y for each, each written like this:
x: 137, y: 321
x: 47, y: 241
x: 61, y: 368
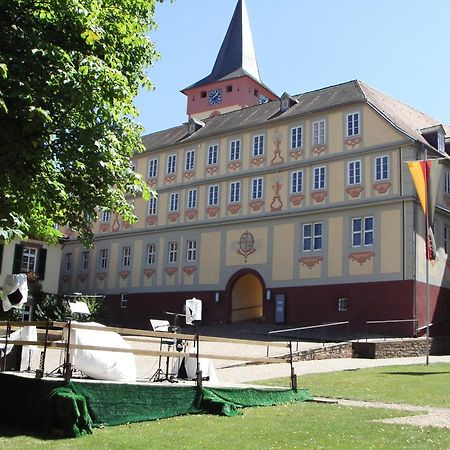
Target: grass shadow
x: 11, y: 431
x: 416, y: 374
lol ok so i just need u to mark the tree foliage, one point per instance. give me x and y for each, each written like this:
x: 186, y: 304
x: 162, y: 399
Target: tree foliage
x: 54, y: 307
x: 69, y: 71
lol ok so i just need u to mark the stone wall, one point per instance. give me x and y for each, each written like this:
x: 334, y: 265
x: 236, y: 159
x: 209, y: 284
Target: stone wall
x: 343, y: 350
x: 378, y: 349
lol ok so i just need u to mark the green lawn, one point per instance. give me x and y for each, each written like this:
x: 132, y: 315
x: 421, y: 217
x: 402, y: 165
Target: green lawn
x: 301, y: 425
x: 415, y: 384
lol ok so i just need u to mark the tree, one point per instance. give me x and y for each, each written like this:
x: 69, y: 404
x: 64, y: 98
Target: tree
x: 69, y: 71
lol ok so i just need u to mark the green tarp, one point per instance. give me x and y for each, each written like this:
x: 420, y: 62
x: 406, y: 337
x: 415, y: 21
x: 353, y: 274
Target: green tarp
x: 75, y: 408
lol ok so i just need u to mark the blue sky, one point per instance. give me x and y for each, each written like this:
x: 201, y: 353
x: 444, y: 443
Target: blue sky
x: 400, y: 47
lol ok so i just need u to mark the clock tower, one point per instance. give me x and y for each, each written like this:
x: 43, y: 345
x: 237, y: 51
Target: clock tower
x: 234, y: 81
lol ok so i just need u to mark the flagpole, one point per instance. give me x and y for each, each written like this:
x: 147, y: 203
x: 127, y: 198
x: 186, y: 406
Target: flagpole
x: 427, y: 268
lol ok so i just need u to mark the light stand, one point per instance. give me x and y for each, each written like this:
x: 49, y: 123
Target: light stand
x: 76, y: 307
x: 163, y: 326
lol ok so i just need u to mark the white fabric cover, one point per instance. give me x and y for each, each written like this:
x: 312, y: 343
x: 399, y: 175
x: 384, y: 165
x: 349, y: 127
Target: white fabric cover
x: 102, y: 365
x: 26, y: 333
x: 12, y: 283
x: 193, y: 310
x: 206, y: 366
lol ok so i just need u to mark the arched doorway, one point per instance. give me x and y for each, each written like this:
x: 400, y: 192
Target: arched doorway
x: 247, y: 298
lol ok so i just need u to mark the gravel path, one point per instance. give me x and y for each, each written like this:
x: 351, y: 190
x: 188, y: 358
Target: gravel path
x: 428, y: 416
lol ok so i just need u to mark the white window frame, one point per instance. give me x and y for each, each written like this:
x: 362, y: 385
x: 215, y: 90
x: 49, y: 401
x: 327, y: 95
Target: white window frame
x: 68, y: 262
x: 213, y: 155
x: 213, y: 195
x: 296, y: 137
x: 319, y: 132
x: 152, y: 206
x: 354, y: 172
x: 26, y: 313
x: 235, y: 150
x: 174, y: 201
x: 257, y: 188
x: 103, y: 263
x: 235, y: 192
x: 191, y: 250
x: 151, y: 253
x: 441, y: 142
x: 446, y: 181
x: 342, y: 304
x: 297, y: 182
x: 381, y: 168
x: 352, y: 124
x: 258, y: 145
x: 126, y: 256
x: 152, y: 168
x: 312, y: 237
x: 319, y: 178
x: 85, y: 260
x: 123, y: 301
x: 172, y: 252
x: 364, y: 233
x: 171, y: 164
x: 192, y: 198
x: 105, y: 216
x: 29, y: 259
x: 189, y: 161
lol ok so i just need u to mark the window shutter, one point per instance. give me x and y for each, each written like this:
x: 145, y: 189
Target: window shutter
x: 1, y: 256
x: 17, y: 262
x: 42, y: 259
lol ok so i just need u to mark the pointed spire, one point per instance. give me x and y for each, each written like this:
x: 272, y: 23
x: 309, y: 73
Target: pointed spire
x: 237, y: 51
x: 236, y: 56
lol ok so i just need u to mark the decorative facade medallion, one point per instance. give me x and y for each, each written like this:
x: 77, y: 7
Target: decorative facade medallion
x: 212, y: 170
x: 382, y: 187
x: 115, y: 226
x: 189, y: 270
x: 296, y: 154
x: 276, y: 204
x: 246, y: 245
x: 361, y: 257
x: 277, y: 158
x: 353, y: 142
x: 149, y: 272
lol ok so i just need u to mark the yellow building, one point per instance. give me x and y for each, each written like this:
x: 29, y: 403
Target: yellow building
x: 296, y: 209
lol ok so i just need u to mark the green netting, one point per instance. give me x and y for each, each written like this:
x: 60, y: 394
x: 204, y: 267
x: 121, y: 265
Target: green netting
x: 114, y: 404
x: 67, y: 412
x: 74, y: 408
x: 232, y: 399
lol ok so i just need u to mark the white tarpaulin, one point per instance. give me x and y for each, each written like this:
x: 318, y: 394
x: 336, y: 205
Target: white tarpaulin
x: 98, y: 364
x: 26, y: 333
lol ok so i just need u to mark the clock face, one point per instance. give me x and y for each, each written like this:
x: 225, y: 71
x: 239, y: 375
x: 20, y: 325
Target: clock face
x: 215, y: 96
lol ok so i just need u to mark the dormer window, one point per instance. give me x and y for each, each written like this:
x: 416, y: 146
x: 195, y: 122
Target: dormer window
x: 435, y: 136
x: 441, y: 142
x: 286, y: 101
x: 194, y: 125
